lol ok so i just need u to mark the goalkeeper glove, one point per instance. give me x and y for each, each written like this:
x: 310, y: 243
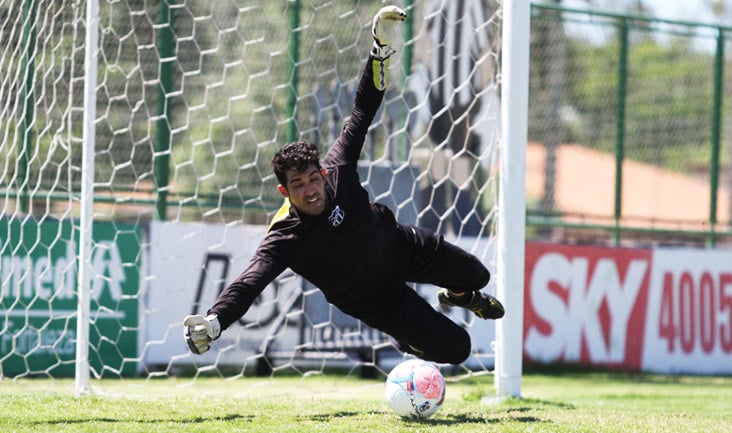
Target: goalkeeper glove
x: 200, y: 331
x: 382, y: 29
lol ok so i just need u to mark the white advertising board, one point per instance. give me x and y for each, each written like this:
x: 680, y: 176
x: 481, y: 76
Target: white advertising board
x: 190, y: 263
x: 689, y: 320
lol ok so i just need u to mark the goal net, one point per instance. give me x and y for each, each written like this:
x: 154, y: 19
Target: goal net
x: 191, y: 100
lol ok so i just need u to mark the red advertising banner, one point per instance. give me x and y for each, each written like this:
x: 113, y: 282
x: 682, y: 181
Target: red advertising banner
x: 658, y: 310
x: 585, y: 305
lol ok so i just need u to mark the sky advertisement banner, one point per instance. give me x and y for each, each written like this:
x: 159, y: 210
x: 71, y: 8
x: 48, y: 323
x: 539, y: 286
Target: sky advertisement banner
x: 656, y: 310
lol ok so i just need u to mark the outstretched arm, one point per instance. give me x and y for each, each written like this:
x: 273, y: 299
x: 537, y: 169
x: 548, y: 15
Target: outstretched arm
x: 199, y: 331
x: 347, y: 149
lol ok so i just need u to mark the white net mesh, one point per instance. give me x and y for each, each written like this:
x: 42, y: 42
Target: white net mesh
x: 193, y: 99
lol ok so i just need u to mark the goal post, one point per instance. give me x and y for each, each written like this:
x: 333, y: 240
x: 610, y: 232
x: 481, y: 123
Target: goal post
x: 86, y: 201
x: 146, y: 184
x: 511, y: 230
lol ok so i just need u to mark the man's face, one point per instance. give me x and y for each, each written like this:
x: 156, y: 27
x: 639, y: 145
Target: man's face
x: 306, y: 190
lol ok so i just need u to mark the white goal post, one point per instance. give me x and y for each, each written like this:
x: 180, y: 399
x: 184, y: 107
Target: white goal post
x: 511, y: 230
x: 86, y: 203
x: 136, y: 138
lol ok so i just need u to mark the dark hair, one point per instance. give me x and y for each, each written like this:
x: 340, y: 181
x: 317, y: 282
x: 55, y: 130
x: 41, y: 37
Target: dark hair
x: 294, y: 156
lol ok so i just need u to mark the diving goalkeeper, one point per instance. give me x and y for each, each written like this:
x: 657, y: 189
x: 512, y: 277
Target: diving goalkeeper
x: 353, y: 250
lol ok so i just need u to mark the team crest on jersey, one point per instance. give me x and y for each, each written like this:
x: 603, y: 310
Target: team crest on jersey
x: 336, y: 217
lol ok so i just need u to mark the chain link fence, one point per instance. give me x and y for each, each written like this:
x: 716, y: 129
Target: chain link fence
x: 628, y: 129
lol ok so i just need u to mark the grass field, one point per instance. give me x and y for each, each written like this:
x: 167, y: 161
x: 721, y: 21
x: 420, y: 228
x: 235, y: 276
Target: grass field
x: 561, y: 402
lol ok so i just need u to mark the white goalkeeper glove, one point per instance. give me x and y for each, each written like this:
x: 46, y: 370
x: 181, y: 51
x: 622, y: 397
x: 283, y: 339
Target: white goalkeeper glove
x: 382, y: 29
x: 200, y: 331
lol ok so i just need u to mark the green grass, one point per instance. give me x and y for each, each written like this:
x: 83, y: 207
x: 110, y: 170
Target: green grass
x: 570, y: 402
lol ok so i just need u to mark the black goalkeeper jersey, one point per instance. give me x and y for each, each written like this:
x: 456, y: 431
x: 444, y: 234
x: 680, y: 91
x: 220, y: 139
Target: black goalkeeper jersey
x: 353, y: 251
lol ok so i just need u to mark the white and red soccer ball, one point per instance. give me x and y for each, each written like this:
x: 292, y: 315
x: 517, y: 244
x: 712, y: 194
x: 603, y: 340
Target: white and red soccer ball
x: 415, y: 389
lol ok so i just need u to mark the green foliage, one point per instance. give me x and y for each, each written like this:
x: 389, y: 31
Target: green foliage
x: 669, y: 89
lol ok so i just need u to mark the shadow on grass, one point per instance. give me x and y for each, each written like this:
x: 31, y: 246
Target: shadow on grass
x: 446, y: 420
x: 519, y: 410
x: 453, y: 419
x: 105, y: 420
x: 322, y: 417
x: 526, y: 404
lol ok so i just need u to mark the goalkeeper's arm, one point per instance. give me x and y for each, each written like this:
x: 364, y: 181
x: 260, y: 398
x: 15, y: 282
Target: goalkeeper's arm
x: 370, y: 92
x: 199, y: 330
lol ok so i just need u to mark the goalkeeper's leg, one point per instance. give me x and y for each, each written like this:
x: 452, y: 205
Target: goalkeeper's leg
x: 422, y: 331
x: 431, y: 259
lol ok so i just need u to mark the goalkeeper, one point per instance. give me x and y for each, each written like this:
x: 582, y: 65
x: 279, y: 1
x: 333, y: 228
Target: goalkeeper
x: 354, y: 251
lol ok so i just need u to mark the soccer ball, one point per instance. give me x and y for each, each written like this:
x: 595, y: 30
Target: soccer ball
x: 415, y: 389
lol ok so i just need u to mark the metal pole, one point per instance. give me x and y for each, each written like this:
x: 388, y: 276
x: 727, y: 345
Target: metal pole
x: 620, y: 126
x: 716, y: 135
x: 91, y: 59
x: 166, y: 56
x: 28, y: 101
x: 511, y: 230
x: 294, y: 52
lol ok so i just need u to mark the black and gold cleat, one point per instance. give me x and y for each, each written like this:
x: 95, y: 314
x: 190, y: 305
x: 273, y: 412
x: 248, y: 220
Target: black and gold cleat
x: 483, y: 305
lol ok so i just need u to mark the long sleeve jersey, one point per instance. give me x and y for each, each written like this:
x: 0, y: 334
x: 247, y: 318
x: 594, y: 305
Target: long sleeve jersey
x: 352, y: 251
